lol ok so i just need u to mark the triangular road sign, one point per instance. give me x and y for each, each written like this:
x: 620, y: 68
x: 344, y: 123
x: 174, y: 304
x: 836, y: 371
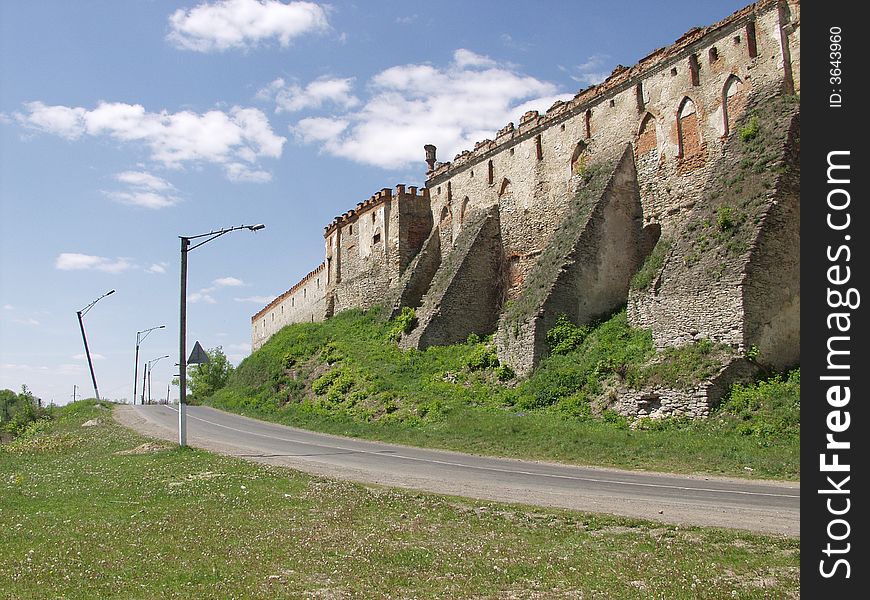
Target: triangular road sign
x: 198, y: 356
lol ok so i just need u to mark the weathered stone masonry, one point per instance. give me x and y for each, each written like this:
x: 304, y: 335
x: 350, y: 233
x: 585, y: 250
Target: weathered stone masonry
x: 677, y: 111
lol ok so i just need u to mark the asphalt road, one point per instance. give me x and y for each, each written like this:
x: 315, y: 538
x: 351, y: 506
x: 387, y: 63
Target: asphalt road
x: 766, y: 507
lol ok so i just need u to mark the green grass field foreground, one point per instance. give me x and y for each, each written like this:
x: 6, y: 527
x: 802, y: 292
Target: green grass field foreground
x: 99, y: 512
x: 347, y: 376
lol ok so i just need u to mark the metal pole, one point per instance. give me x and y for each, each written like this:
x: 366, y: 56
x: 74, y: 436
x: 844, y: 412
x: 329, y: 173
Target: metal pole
x: 144, y: 375
x: 182, y: 347
x: 136, y: 368
x: 88, y: 353
x: 149, y: 385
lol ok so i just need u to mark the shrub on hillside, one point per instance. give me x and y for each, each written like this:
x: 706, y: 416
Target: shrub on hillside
x: 565, y: 336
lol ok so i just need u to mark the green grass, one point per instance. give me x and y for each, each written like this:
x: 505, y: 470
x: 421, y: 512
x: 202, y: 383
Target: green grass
x: 344, y: 376
x: 652, y: 265
x: 82, y: 521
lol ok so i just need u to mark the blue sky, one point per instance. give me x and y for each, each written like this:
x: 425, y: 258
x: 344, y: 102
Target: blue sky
x: 126, y: 123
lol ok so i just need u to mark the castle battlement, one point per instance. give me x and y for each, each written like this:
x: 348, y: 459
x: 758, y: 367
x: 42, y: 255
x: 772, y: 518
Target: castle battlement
x: 620, y: 79
x: 296, y: 287
x: 377, y: 199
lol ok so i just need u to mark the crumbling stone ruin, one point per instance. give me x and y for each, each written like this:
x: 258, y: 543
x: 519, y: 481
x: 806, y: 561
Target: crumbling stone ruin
x: 684, y: 167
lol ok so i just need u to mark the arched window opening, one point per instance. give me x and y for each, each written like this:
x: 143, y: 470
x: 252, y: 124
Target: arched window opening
x: 578, y: 158
x: 751, y: 46
x: 694, y: 69
x: 688, y: 133
x: 463, y: 210
x: 505, y: 187
x: 646, y: 136
x: 733, y: 102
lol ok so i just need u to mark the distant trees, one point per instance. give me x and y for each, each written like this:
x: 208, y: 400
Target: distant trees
x: 17, y: 410
x: 203, y: 380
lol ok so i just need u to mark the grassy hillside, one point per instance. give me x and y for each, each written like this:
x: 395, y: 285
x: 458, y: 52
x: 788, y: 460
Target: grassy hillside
x: 347, y: 376
x: 100, y: 512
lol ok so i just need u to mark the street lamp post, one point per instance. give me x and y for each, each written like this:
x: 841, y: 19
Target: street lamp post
x: 81, y: 313
x: 148, y: 368
x: 136, y: 360
x: 182, y: 333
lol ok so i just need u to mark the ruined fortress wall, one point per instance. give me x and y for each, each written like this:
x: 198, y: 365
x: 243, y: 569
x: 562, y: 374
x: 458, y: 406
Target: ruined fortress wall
x: 675, y: 106
x: 368, y: 247
x: 303, y: 303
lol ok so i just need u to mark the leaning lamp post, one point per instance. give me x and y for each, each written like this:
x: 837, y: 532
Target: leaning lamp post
x: 182, y: 330
x: 81, y: 313
x: 139, y: 340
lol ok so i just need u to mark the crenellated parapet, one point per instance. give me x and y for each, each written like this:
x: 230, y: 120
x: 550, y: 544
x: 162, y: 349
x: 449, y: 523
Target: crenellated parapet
x: 403, y: 193
x: 621, y: 79
x: 296, y: 287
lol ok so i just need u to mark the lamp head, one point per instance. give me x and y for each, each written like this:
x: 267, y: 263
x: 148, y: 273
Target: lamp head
x: 256, y: 227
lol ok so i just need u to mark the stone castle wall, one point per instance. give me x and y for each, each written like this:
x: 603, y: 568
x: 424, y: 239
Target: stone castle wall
x: 676, y: 110
x: 305, y: 302
x: 368, y: 248
x: 675, y: 106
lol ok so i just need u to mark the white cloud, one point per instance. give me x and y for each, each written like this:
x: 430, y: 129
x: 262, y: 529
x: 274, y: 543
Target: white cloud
x: 67, y: 122
x: 205, y: 294
x: 28, y: 321
x: 201, y: 296
x: 240, y: 173
x: 293, y: 97
x: 319, y: 129
x: 242, y: 24
x: 593, y: 71
x: 466, y: 58
x: 157, y: 268
x: 228, y: 282
x: 237, y: 137
x: 143, y: 198
x: 416, y: 104
x: 262, y: 300
x: 72, y: 261
x: 237, y: 352
x: 94, y: 356
x: 8, y: 307
x: 15, y: 367
x: 144, y: 180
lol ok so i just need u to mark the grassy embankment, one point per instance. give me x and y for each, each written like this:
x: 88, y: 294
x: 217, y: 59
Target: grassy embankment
x: 85, y: 519
x: 346, y: 376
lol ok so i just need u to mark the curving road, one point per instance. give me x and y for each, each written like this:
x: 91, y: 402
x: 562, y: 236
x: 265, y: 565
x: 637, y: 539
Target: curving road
x: 766, y: 507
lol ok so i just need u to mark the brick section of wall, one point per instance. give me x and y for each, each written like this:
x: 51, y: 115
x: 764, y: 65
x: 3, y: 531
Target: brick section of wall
x: 732, y: 274
x: 464, y: 296
x: 587, y: 267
